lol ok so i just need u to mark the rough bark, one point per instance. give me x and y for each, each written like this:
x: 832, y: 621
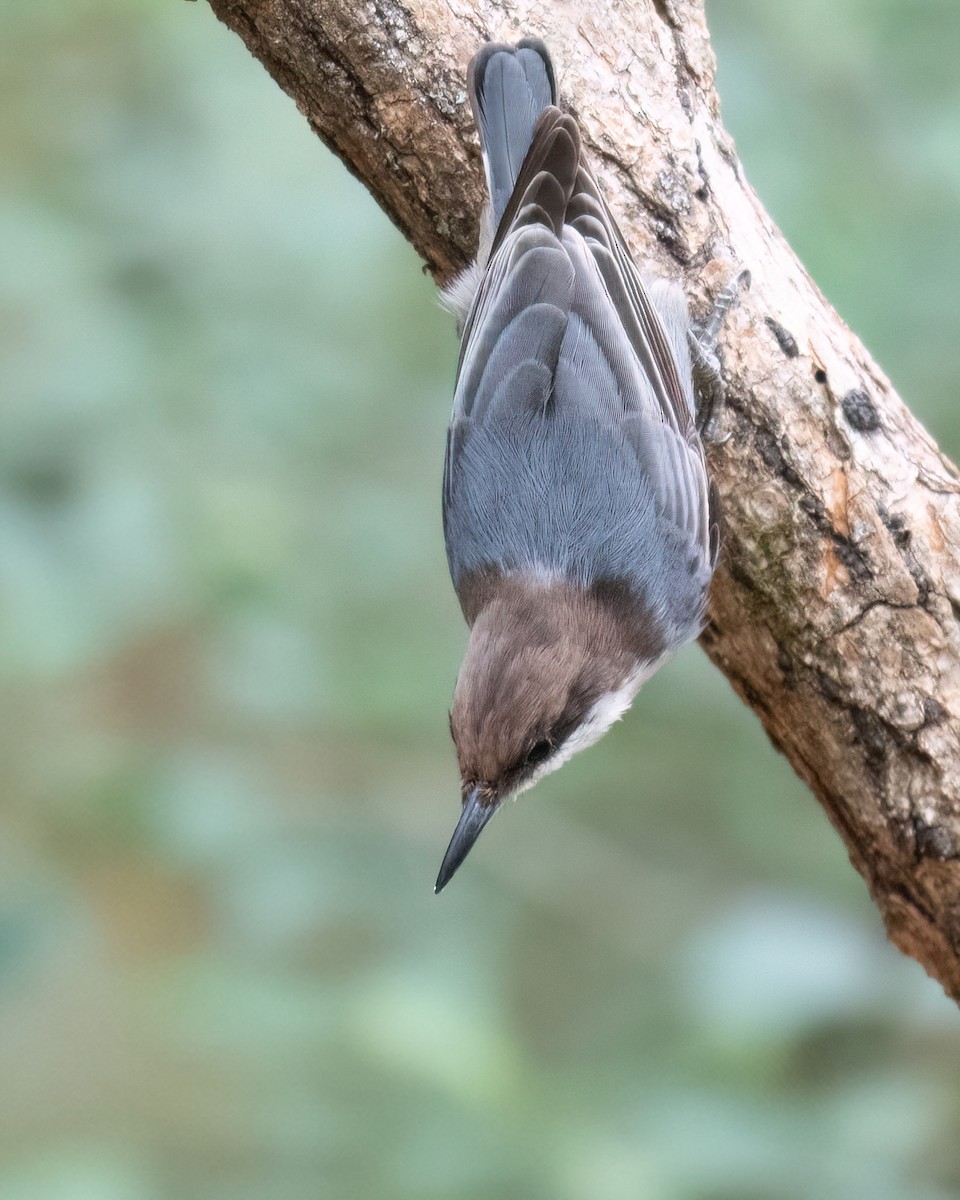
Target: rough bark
x: 835, y: 611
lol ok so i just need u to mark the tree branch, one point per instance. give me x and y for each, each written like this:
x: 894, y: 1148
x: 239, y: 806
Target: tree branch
x: 835, y: 610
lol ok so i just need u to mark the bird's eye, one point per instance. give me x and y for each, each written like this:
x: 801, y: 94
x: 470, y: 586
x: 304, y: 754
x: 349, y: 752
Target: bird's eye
x: 539, y: 751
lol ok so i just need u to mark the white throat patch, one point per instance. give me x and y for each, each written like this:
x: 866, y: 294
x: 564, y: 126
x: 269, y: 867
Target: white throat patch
x: 609, y: 708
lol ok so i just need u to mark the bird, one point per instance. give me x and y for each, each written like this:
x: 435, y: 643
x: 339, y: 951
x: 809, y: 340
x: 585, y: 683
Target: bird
x: 577, y: 511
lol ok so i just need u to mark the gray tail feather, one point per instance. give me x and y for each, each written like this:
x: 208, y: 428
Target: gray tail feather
x: 510, y: 86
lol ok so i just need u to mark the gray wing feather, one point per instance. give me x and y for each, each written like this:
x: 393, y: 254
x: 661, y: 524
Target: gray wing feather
x: 574, y: 407
x: 530, y: 271
x: 509, y: 88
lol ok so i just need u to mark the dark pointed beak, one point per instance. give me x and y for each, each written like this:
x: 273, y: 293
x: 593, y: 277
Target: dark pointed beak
x: 472, y: 820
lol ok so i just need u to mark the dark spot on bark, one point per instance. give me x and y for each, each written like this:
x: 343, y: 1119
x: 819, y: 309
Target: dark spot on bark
x: 770, y: 452
x: 703, y: 191
x: 813, y: 507
x: 785, y: 339
x: 668, y: 235
x: 664, y: 13
x: 785, y: 663
x: 897, y: 524
x: 872, y: 736
x: 853, y: 558
x: 860, y: 411
x: 933, y: 841
x: 772, y: 456
x: 933, y: 713
x: 830, y: 688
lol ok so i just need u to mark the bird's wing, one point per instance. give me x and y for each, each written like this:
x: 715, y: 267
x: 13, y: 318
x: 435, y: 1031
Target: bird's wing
x: 514, y: 331
x: 562, y: 320
x: 628, y: 342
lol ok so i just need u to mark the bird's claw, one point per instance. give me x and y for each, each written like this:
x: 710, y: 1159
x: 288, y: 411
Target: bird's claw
x: 706, y: 362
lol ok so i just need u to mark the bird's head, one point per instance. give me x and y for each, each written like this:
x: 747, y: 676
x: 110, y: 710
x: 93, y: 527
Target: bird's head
x: 549, y: 667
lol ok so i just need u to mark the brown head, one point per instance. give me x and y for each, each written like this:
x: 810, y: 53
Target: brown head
x: 548, y: 669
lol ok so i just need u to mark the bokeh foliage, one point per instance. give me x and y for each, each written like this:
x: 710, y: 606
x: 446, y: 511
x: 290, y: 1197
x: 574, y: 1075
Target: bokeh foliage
x: 227, y: 645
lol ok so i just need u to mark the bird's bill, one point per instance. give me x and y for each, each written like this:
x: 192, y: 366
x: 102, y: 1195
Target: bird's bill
x: 474, y: 817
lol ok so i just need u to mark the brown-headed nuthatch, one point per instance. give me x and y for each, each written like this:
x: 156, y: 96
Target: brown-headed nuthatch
x: 576, y: 503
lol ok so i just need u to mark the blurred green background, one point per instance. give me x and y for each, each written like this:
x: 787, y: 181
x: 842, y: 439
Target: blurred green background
x: 228, y: 643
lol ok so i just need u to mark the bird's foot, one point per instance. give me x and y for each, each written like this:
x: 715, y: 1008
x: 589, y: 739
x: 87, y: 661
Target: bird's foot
x: 707, y: 374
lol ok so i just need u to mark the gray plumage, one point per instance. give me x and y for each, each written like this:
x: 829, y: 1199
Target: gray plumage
x: 508, y: 92
x: 573, y: 451
x: 575, y: 495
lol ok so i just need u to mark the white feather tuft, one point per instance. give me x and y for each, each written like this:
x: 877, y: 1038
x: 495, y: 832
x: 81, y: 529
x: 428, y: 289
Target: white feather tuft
x: 608, y: 709
x: 459, y: 294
